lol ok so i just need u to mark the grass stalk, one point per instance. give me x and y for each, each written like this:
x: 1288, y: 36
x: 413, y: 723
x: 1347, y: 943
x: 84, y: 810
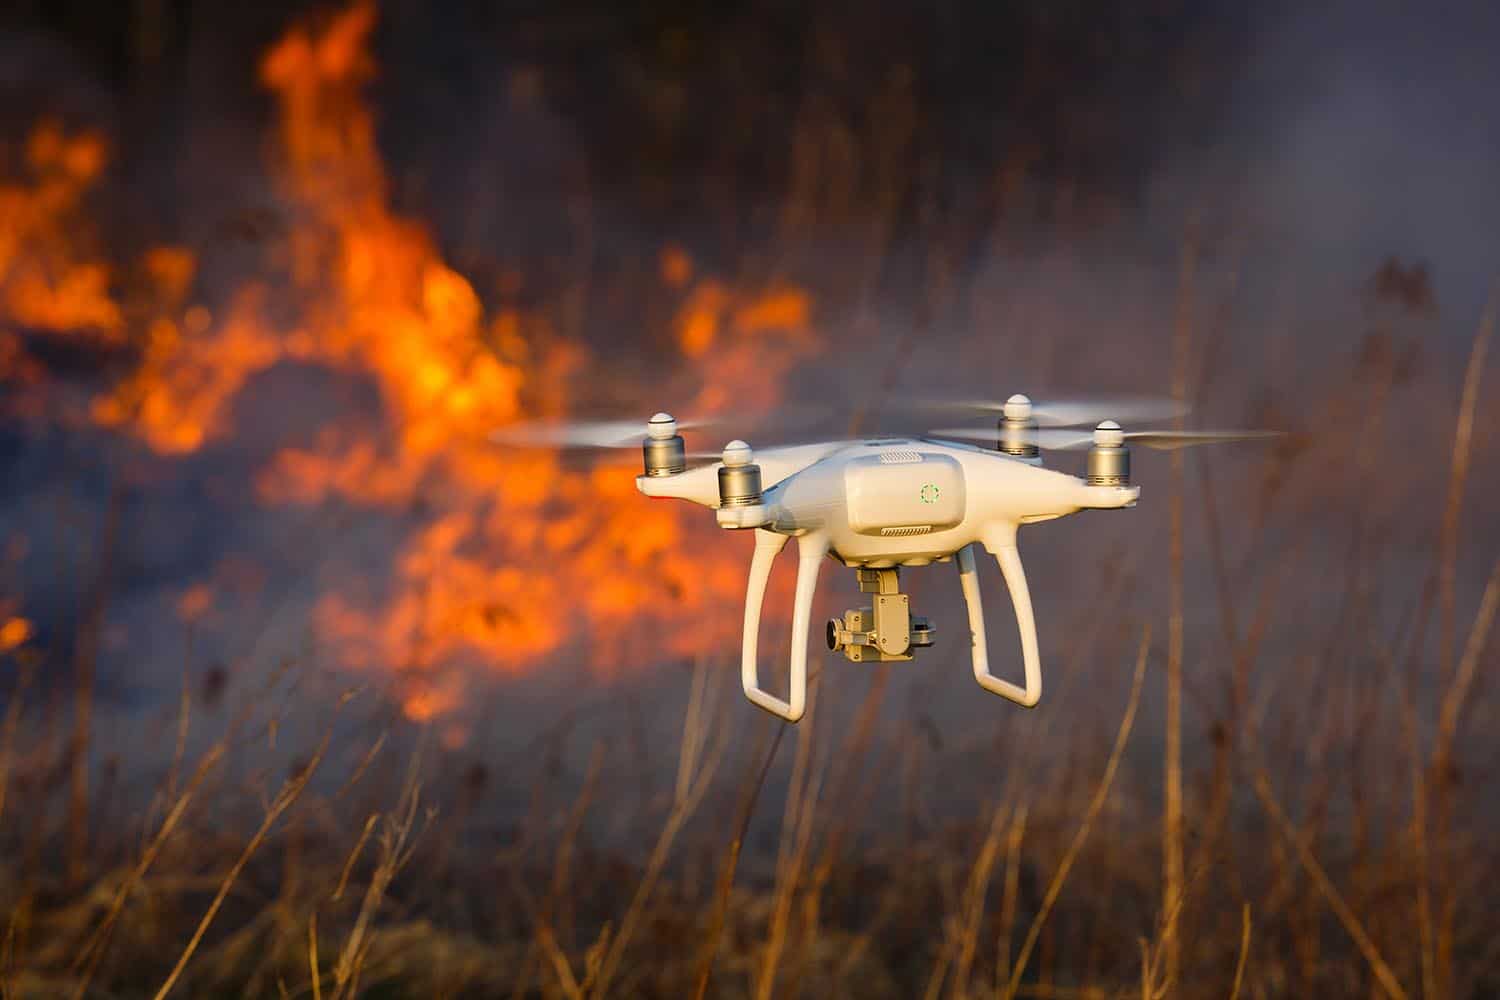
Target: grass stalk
x: 395, y: 852
x: 1096, y: 803
x: 84, y: 662
x: 973, y: 909
x: 312, y: 956
x: 1010, y: 895
x: 93, y: 950
x: 797, y: 830
x: 730, y: 863
x: 1239, y: 965
x: 1172, y: 853
x: 291, y: 790
x: 1458, y: 476
x: 9, y: 726
x: 682, y: 809
x: 1329, y: 891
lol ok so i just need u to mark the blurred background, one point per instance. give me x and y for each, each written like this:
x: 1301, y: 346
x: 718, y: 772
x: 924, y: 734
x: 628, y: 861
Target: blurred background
x: 312, y: 688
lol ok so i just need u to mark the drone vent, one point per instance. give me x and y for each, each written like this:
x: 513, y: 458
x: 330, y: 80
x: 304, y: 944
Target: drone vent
x: 904, y: 456
x: 905, y: 530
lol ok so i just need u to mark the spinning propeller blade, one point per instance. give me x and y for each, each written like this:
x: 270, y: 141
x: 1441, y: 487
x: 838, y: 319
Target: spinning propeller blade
x: 1057, y: 439
x: 1172, y: 440
x: 1073, y: 412
x: 578, y: 433
x: 629, y: 433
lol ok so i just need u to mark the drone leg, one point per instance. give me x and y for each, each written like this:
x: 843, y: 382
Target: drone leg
x: 811, y: 550
x: 1003, y: 545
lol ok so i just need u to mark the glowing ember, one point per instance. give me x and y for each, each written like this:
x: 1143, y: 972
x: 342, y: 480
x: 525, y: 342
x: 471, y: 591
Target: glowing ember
x: 14, y: 633
x: 195, y: 602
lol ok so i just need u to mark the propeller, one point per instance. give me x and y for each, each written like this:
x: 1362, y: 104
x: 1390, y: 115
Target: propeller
x: 589, y: 433
x: 1172, y: 440
x: 628, y: 433
x: 1055, y: 439
x: 1071, y: 412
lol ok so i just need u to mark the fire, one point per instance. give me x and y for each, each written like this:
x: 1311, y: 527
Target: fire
x: 48, y: 281
x: 195, y: 602
x: 13, y: 633
x: 507, y: 556
x: 52, y: 280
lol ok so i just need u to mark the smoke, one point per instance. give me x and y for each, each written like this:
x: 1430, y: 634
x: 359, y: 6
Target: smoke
x: 1365, y: 130
x: 945, y: 204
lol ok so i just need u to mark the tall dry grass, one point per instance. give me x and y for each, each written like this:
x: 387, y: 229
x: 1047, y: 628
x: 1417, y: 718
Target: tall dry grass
x: 1328, y: 863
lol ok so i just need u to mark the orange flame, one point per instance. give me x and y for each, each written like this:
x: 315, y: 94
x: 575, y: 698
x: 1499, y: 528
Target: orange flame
x: 51, y: 280
x: 13, y: 633
x: 514, y: 555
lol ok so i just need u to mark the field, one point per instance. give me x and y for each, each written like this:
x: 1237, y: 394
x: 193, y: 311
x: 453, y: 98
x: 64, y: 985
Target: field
x: 309, y: 688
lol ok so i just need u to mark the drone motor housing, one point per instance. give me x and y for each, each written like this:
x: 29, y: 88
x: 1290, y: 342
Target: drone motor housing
x: 739, y: 477
x: 1109, y: 459
x: 741, y: 504
x: 1017, y: 430
x: 664, y: 450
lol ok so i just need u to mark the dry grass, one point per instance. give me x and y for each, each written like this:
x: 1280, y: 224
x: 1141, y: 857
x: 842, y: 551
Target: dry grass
x: 299, y: 909
x: 645, y: 932
x: 1046, y: 892
x: 1056, y: 889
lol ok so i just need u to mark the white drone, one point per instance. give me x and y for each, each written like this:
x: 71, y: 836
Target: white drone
x: 879, y: 504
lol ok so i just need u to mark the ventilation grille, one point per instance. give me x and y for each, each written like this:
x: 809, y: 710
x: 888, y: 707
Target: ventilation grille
x: 900, y: 456
x: 905, y: 530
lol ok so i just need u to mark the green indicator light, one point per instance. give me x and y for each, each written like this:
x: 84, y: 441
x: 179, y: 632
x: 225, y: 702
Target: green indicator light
x: 930, y: 493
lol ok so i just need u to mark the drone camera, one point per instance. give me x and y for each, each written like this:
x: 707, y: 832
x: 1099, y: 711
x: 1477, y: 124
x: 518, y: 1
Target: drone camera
x: 886, y: 631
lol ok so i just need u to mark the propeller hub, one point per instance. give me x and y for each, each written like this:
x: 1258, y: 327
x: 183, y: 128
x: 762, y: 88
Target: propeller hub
x: 737, y: 454
x: 1109, y: 435
x: 1017, y: 408
x: 661, y: 427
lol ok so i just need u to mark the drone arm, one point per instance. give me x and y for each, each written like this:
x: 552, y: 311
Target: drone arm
x: 1002, y: 543
x: 811, y: 550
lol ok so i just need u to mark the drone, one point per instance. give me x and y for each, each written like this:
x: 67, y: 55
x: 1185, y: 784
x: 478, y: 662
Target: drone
x: 882, y: 504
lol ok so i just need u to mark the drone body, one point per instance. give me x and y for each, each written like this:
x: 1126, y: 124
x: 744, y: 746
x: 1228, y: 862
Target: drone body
x: 881, y: 504
x: 877, y: 505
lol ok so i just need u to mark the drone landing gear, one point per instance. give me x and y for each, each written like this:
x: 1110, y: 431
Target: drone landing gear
x: 884, y: 632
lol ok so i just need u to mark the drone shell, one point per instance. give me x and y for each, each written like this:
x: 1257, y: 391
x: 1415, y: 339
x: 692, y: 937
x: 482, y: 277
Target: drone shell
x: 852, y: 493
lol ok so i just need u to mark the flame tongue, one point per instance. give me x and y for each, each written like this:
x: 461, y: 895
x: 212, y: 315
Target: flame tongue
x: 502, y: 545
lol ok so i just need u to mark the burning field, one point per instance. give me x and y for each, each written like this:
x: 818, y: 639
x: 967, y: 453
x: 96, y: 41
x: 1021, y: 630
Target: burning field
x: 312, y: 687
x: 349, y: 287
